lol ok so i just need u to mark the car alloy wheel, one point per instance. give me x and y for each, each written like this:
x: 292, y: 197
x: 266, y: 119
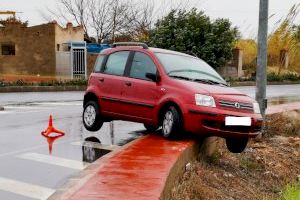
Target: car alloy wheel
x: 168, y: 123
x: 89, y: 115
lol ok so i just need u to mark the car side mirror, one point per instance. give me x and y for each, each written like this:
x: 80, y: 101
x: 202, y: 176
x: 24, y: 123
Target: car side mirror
x: 152, y: 76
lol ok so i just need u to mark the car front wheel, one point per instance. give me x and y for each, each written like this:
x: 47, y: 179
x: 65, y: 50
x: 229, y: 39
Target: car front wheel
x: 236, y: 145
x: 171, y: 124
x: 91, y: 117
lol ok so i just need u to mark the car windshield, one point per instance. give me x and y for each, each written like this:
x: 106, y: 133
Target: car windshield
x: 189, y: 68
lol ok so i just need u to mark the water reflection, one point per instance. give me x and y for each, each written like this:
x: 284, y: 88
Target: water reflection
x: 92, y: 150
x: 50, y: 139
x: 51, y: 134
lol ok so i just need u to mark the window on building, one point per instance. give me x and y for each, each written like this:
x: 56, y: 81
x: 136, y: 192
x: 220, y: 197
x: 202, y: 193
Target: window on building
x: 8, y: 49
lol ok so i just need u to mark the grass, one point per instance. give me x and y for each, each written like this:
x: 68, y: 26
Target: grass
x: 214, y: 158
x: 291, y: 192
x: 249, y: 164
x: 285, y: 124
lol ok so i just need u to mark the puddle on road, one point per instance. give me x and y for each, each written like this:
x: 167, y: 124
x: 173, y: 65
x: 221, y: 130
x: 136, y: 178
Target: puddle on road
x: 283, y: 100
x: 92, y: 150
x: 91, y: 143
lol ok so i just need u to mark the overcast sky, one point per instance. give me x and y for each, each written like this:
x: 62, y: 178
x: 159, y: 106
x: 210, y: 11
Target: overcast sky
x: 242, y: 13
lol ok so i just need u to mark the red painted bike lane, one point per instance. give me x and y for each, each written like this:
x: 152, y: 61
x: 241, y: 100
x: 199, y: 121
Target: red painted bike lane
x: 138, y: 172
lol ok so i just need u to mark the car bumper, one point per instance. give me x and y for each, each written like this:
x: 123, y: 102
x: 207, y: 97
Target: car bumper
x: 211, y: 121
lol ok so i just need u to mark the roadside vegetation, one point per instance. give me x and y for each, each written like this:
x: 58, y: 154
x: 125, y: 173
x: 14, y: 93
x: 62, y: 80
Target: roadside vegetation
x: 75, y: 82
x: 271, y: 77
x: 285, y: 36
x: 269, y: 169
x: 194, y: 32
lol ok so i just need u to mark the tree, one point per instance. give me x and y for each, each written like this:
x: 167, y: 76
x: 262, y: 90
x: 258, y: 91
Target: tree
x: 105, y: 19
x: 193, y: 31
x: 111, y: 19
x: 13, y: 20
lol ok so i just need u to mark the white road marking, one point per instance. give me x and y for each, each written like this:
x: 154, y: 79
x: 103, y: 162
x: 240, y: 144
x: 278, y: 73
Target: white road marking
x: 96, y: 145
x: 25, y: 189
x: 59, y: 103
x: 53, y: 160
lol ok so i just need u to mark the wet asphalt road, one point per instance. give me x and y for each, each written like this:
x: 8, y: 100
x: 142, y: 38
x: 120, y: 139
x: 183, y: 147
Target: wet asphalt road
x: 27, y: 171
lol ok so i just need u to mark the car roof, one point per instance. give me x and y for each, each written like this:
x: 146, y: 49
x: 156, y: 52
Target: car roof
x: 152, y: 49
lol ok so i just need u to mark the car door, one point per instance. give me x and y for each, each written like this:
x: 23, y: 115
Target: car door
x: 141, y: 93
x: 110, y: 82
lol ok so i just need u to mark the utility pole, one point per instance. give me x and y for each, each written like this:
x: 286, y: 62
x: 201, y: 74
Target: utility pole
x: 261, y: 76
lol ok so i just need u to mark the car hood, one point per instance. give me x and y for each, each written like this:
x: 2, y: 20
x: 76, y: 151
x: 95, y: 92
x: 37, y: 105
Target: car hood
x: 217, y: 91
x: 210, y: 89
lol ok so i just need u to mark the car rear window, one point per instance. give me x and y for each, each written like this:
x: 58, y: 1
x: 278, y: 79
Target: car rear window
x: 141, y: 65
x: 98, y: 64
x: 116, y: 63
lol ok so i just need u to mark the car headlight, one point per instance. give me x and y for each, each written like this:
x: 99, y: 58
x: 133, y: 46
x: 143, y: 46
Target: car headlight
x: 256, y: 108
x: 204, y: 100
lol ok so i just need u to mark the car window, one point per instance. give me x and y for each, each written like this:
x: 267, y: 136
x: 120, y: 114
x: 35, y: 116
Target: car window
x: 98, y: 64
x: 116, y: 63
x: 188, y: 66
x: 141, y: 65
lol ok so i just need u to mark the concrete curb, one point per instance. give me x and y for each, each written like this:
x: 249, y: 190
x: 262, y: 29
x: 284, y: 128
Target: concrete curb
x: 76, y: 182
x: 147, y: 168
x: 41, y: 88
x: 283, y: 108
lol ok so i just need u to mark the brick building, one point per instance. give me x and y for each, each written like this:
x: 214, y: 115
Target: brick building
x: 33, y: 50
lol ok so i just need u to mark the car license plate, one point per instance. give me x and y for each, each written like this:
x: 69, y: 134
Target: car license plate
x: 237, y: 121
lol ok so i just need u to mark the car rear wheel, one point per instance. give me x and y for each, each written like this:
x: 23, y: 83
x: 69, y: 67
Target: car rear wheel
x: 171, y: 124
x: 236, y: 145
x: 150, y: 128
x: 91, y: 116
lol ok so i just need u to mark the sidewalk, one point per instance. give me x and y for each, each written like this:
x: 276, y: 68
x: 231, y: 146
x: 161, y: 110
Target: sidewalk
x: 283, y: 108
x: 139, y: 171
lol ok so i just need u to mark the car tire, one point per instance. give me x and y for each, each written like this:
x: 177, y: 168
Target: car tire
x: 91, y: 117
x: 171, y: 123
x: 150, y: 128
x: 236, y: 145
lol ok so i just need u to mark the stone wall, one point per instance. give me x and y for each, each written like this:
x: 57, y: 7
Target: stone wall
x: 35, y: 47
x: 64, y: 35
x: 91, y: 59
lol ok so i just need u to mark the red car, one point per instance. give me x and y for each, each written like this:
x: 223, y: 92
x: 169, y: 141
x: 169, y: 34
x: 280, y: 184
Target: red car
x: 168, y: 89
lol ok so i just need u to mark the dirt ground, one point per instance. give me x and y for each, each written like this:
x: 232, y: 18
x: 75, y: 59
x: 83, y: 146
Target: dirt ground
x: 262, y: 171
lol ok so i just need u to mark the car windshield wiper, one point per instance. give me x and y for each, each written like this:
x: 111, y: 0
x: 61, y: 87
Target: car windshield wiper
x: 181, y: 77
x: 210, y: 82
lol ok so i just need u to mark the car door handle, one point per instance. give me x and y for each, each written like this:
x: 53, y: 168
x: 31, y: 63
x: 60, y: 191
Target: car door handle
x: 128, y: 83
x: 101, y: 79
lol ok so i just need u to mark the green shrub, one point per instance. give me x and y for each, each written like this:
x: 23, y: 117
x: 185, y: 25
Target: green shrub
x: 291, y: 192
x: 75, y: 82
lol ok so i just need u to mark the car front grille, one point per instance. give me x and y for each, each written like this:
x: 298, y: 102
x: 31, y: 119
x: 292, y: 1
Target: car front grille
x: 236, y: 105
